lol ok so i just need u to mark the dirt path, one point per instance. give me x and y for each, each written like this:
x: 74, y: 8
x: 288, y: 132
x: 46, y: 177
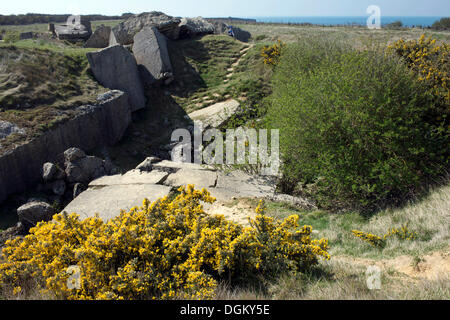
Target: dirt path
x: 231, y: 70
x: 429, y: 267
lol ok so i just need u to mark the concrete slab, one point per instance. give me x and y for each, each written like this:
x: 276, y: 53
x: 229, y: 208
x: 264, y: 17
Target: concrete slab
x: 131, y: 177
x: 199, y: 178
x: 217, y: 114
x: 110, y: 200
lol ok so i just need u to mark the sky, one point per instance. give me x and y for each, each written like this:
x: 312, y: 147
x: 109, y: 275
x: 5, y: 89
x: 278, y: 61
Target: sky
x: 234, y: 8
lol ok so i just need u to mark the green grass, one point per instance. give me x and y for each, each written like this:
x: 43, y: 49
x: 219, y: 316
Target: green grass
x: 41, y: 85
x: 344, y: 276
x: 200, y: 67
x: 428, y: 218
x: 43, y: 27
x: 357, y: 36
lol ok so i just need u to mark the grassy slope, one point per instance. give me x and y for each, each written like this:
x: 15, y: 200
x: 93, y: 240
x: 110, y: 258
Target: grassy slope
x: 357, y: 35
x: 41, y: 83
x: 201, y: 67
x: 344, y: 277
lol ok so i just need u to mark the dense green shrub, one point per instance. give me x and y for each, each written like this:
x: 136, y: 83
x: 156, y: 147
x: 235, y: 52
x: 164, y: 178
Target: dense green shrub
x: 11, y: 37
x: 353, y: 126
x: 443, y: 24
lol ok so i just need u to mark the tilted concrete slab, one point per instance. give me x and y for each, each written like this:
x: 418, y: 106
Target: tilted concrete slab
x: 171, y: 166
x: 131, y: 177
x: 110, y: 200
x: 217, y: 114
x: 199, y: 178
x: 239, y: 184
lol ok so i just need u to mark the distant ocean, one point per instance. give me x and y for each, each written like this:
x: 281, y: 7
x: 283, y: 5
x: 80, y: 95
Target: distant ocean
x: 407, y: 21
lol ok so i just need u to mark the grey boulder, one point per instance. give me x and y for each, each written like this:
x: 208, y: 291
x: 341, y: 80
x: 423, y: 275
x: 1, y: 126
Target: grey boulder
x: 100, y: 38
x: 59, y: 187
x: 147, y: 164
x: 73, y: 154
x: 85, y: 170
x: 125, y: 31
x: 191, y: 27
x: 7, y: 129
x: 152, y: 55
x: 52, y: 172
x: 116, y: 68
x: 219, y: 27
x: 241, y: 35
x: 34, y: 212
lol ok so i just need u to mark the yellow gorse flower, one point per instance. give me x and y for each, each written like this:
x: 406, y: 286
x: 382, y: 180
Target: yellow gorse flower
x: 168, y: 249
x: 430, y: 62
x: 271, y: 54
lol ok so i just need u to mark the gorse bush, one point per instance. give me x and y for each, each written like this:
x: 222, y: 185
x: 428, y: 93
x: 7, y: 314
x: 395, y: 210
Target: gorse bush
x: 169, y: 249
x: 402, y: 233
x: 271, y: 54
x: 431, y: 62
x: 357, y: 128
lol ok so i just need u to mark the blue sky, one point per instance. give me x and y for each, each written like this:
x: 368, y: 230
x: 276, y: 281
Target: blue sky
x: 238, y: 8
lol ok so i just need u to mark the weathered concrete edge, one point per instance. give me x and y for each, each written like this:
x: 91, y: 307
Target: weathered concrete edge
x: 97, y: 125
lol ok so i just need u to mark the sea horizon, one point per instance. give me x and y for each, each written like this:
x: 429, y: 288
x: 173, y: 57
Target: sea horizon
x: 408, y: 21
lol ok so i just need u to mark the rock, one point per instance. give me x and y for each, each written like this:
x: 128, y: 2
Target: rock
x: 59, y: 187
x: 116, y: 68
x: 108, y: 201
x: 219, y: 27
x: 100, y: 38
x: 240, y: 184
x: 32, y: 213
x: 94, y: 126
x: 130, y: 178
x: 173, y: 167
x: 125, y: 31
x: 191, y: 27
x: 73, y: 154
x: 199, y: 178
x: 7, y: 129
x: 49, y: 171
x: 147, y: 164
x: 217, y: 114
x: 75, y: 174
x: 26, y: 35
x: 295, y: 201
x: 74, y: 31
x: 78, y: 188
x: 85, y: 169
x: 11, y: 233
x: 109, y: 167
x: 241, y: 35
x: 152, y: 55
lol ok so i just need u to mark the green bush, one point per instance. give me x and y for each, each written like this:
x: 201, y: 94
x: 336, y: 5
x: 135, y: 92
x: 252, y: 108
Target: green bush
x: 443, y: 24
x: 11, y: 37
x: 395, y: 25
x: 353, y: 126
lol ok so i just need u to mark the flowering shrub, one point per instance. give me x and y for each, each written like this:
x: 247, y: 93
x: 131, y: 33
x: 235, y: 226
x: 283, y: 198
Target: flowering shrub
x: 429, y: 60
x: 272, y: 54
x: 372, y: 239
x: 168, y: 249
x: 402, y: 233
